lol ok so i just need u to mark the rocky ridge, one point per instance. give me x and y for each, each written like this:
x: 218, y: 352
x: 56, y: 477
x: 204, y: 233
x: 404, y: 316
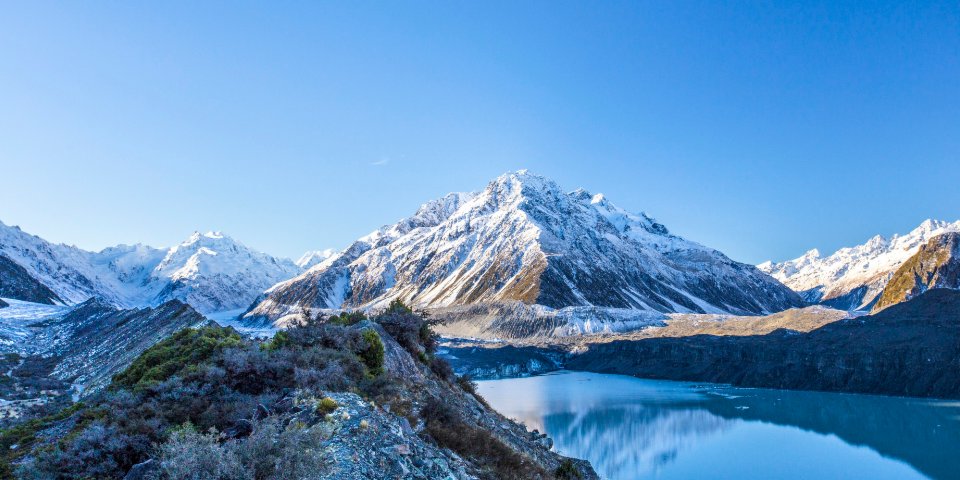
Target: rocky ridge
x: 210, y: 271
x: 523, y: 239
x: 935, y: 265
x: 853, y: 278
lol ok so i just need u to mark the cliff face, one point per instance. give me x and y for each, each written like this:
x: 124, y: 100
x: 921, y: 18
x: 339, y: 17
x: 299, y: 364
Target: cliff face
x: 936, y: 265
x: 17, y: 283
x: 910, y: 349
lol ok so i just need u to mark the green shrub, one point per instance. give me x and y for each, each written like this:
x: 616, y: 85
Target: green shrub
x: 398, y: 307
x: 347, y: 319
x: 24, y: 436
x: 182, y: 351
x: 280, y: 340
x: 373, y: 354
x: 567, y: 471
x: 327, y: 405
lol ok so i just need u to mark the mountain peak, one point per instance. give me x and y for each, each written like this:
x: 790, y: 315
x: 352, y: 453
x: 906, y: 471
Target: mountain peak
x: 524, y: 178
x: 853, y: 277
x: 524, y: 239
x: 196, y: 236
x: 313, y: 257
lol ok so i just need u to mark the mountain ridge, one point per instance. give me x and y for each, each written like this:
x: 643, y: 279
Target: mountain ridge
x: 523, y: 239
x: 935, y: 265
x: 210, y: 271
x: 853, y: 278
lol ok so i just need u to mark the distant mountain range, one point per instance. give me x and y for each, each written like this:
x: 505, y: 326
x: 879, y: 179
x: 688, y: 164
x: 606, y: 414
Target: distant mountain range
x: 909, y: 349
x: 211, y: 271
x: 524, y: 239
x: 854, y: 278
x: 570, y: 262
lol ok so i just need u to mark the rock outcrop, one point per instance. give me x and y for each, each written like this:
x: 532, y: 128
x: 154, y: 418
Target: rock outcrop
x: 936, y: 265
x: 909, y: 349
x: 18, y: 284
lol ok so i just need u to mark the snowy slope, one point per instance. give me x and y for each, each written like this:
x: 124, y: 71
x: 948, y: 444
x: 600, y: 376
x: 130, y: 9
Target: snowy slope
x: 313, y: 257
x: 523, y: 239
x: 852, y: 278
x: 211, y: 271
x: 74, y: 274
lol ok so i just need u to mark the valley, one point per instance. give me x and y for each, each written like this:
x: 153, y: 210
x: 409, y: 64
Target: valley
x: 519, y: 280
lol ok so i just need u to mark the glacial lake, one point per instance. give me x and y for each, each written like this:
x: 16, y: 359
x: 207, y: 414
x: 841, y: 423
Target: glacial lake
x: 631, y: 428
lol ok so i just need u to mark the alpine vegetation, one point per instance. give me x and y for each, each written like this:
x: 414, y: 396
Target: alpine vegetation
x: 332, y: 397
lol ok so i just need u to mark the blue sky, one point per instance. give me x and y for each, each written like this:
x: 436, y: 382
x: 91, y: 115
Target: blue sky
x: 759, y: 128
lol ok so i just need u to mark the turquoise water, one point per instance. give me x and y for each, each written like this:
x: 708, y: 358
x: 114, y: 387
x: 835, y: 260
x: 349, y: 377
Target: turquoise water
x: 631, y: 428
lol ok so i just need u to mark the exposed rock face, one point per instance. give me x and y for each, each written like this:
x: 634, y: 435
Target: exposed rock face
x: 17, y: 283
x: 389, y: 448
x: 936, y: 265
x: 95, y: 340
x: 519, y: 322
x: 3, y: 304
x: 523, y: 239
x: 852, y: 278
x: 910, y: 349
x: 500, y: 361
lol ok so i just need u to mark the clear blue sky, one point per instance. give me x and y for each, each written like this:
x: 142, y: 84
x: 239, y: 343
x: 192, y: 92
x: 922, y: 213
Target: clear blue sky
x: 759, y: 128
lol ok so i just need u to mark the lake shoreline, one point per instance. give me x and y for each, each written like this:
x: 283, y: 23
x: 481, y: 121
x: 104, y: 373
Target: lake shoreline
x: 621, y: 411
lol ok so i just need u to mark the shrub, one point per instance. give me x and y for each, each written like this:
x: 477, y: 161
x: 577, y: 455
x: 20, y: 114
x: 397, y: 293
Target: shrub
x: 470, y: 441
x: 274, y: 452
x: 280, y: 340
x: 183, y: 350
x: 410, y: 330
x: 196, y: 456
x: 567, y: 471
x: 327, y: 405
x: 398, y: 307
x: 441, y: 368
x: 346, y: 319
x: 468, y: 385
x: 373, y: 353
x: 24, y: 436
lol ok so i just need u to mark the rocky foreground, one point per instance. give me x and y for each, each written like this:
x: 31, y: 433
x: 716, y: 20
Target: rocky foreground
x: 341, y: 397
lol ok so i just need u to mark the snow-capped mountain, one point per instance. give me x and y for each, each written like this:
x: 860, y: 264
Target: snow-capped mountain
x: 852, y: 278
x: 75, y: 275
x: 314, y: 257
x: 211, y: 271
x: 523, y: 239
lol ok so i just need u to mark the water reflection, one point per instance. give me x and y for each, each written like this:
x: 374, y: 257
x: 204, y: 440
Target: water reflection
x: 633, y: 439
x: 632, y: 428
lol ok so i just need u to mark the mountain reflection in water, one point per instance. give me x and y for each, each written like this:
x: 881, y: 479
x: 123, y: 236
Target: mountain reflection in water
x: 633, y: 429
